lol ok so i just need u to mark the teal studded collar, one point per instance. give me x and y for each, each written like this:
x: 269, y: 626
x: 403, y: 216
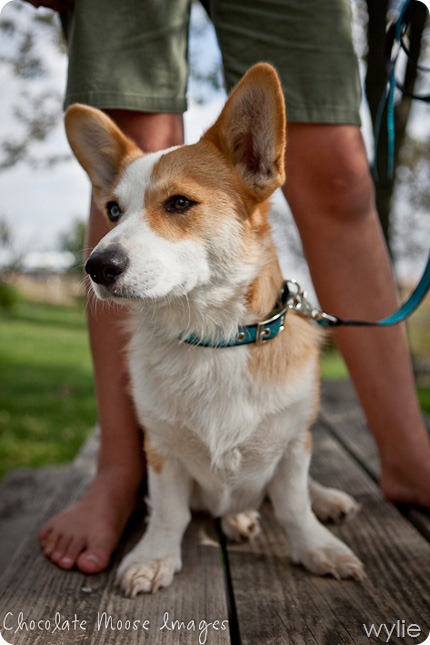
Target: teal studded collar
x: 292, y: 296
x: 258, y: 333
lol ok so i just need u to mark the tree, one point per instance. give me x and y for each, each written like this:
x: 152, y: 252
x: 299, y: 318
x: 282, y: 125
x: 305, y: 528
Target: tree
x: 411, y: 231
x: 11, y: 256
x: 36, y: 106
x: 73, y: 241
x: 375, y: 83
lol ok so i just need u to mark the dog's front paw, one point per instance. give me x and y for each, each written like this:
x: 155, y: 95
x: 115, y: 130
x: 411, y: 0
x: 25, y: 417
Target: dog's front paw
x: 241, y: 526
x: 145, y: 575
x: 333, y: 558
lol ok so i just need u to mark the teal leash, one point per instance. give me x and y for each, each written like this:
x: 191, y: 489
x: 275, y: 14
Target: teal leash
x: 300, y: 304
x: 387, y: 99
x: 395, y: 38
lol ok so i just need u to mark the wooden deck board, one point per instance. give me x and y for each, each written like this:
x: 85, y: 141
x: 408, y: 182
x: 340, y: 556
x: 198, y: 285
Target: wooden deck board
x: 276, y: 602
x: 343, y: 417
x: 104, y: 616
x: 172, y: 616
x: 19, y: 511
x: 38, y: 589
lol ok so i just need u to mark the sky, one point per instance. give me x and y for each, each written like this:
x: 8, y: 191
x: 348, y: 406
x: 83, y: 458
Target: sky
x: 42, y: 204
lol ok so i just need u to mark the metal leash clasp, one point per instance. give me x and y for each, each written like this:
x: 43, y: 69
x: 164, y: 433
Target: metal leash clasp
x: 298, y: 302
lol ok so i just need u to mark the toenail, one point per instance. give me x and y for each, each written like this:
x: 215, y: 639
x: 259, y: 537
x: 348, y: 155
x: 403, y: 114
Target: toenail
x: 92, y: 558
x: 67, y: 562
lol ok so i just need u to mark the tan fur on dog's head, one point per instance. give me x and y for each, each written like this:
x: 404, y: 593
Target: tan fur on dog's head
x: 249, y: 134
x: 250, y: 131
x: 222, y: 241
x: 99, y: 145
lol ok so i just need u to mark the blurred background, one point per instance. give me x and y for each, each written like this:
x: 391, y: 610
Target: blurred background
x: 47, y: 402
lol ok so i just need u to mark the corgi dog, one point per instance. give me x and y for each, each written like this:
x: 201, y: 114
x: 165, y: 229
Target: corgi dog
x: 225, y: 399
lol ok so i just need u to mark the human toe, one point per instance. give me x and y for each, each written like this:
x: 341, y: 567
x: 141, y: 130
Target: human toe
x: 96, y: 556
x: 65, y: 551
x: 93, y: 560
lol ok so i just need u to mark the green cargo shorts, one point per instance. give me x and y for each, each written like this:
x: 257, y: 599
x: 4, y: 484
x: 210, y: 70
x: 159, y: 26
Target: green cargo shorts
x: 134, y: 55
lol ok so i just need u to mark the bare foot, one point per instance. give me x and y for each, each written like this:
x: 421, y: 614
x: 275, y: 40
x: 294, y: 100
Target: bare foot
x: 408, y: 480
x: 85, y: 534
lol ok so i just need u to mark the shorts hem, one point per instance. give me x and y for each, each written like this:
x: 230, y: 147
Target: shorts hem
x: 112, y: 101
x: 328, y: 115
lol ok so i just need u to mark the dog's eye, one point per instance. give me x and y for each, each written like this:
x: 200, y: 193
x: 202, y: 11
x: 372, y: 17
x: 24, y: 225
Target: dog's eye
x: 178, y: 204
x: 113, y: 211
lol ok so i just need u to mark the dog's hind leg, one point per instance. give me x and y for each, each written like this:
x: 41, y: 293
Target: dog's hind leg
x: 331, y: 504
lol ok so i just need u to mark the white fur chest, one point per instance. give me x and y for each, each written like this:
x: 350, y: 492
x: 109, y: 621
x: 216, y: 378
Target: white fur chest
x: 205, y: 405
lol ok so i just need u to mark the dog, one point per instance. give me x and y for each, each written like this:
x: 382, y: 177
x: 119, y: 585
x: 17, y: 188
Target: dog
x: 190, y: 253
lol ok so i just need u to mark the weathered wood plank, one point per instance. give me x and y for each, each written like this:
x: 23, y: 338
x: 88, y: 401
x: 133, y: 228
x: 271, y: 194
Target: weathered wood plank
x: 343, y: 417
x: 23, y: 498
x: 278, y: 602
x: 27, y: 495
x: 192, y: 608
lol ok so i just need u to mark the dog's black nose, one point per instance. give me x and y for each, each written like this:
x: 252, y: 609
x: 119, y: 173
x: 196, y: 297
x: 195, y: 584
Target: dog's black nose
x: 105, y: 267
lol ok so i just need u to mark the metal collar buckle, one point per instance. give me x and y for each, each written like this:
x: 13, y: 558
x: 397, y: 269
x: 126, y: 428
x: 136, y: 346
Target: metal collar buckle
x: 258, y: 333
x: 265, y: 330
x: 263, y: 333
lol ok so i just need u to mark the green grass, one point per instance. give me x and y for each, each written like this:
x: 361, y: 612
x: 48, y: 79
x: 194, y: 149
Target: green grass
x: 333, y: 367
x: 47, y: 403
x: 47, y: 400
x: 424, y: 397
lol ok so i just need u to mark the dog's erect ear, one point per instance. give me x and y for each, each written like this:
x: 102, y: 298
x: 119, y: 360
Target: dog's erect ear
x: 250, y: 131
x: 98, y: 144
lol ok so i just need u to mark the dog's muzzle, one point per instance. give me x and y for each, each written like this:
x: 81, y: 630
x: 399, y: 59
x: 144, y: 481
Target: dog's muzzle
x: 105, y: 267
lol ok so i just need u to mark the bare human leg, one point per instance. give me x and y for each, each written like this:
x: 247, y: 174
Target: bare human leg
x: 331, y: 195
x: 86, y: 534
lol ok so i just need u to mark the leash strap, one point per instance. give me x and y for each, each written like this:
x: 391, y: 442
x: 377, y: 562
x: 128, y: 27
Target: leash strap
x: 395, y: 39
x: 298, y: 302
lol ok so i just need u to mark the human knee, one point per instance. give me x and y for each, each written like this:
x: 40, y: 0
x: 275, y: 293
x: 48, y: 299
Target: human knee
x: 328, y: 172
x: 347, y: 191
